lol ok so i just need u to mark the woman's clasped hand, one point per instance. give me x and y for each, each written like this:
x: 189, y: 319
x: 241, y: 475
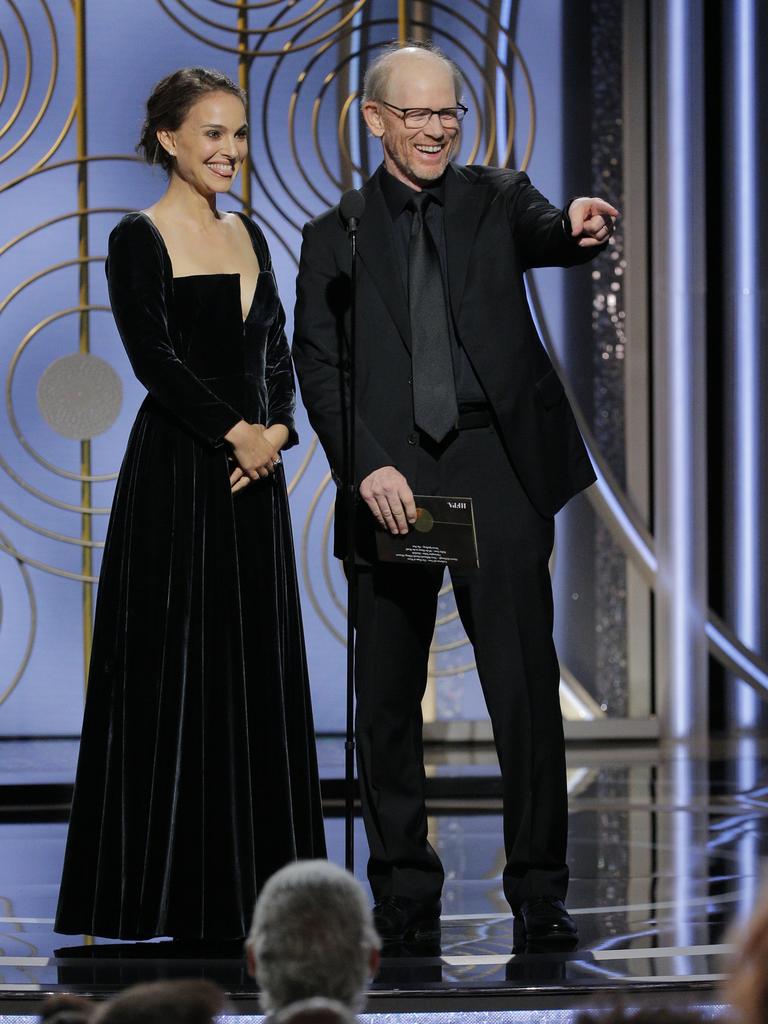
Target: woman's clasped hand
x: 255, y: 450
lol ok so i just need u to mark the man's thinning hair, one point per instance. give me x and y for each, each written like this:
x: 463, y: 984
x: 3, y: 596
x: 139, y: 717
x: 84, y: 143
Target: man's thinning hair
x: 377, y: 73
x: 312, y: 935
x: 315, y: 1011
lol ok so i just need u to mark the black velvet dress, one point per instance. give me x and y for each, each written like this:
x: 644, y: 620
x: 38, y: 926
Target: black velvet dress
x: 197, y: 775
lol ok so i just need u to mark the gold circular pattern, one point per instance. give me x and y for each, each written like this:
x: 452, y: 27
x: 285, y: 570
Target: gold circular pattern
x: 86, y: 509
x: 305, y: 561
x: 323, y: 191
x: 25, y: 341
x: 326, y: 31
x: 322, y: 77
x: 12, y: 370
x: 6, y: 65
x: 26, y: 85
x: 317, y: 11
x: 5, y: 545
x: 331, y: 567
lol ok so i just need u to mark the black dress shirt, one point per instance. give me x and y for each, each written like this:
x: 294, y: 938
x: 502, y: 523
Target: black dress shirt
x: 469, y: 392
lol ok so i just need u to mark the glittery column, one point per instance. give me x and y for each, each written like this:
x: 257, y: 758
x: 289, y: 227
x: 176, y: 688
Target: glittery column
x: 608, y: 350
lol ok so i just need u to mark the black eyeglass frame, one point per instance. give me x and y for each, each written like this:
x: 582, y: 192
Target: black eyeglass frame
x: 402, y: 112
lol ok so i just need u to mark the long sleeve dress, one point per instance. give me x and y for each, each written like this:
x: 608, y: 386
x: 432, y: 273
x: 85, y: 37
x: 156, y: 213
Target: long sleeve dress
x: 197, y: 775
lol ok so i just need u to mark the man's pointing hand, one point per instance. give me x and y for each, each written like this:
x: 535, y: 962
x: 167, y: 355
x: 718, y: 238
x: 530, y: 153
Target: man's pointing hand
x: 591, y: 220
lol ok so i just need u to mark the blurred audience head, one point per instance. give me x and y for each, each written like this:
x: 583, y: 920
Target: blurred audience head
x: 621, y: 1014
x: 314, y: 1011
x: 165, y: 1002
x: 747, y: 988
x: 67, y: 1009
x: 312, y: 935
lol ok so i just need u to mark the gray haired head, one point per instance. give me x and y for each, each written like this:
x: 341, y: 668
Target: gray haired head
x: 315, y: 1011
x: 312, y: 935
x: 377, y: 73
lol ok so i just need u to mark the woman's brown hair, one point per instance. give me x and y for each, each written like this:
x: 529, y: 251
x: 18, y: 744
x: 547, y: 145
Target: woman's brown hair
x: 170, y: 103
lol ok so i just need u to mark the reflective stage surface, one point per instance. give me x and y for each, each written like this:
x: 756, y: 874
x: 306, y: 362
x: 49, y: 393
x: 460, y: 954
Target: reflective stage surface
x: 665, y: 849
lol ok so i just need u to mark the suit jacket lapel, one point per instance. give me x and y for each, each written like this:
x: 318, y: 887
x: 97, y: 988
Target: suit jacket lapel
x: 465, y: 199
x: 376, y: 249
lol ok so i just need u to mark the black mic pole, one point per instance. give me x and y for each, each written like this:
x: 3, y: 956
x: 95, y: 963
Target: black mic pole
x: 351, y: 209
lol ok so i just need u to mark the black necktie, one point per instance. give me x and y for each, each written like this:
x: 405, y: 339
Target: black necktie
x: 434, y: 389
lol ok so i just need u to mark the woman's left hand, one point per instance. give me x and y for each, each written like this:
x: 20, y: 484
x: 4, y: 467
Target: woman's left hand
x: 278, y: 435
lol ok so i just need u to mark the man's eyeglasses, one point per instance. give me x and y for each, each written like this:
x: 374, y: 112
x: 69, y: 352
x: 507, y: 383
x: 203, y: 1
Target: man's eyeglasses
x: 418, y: 117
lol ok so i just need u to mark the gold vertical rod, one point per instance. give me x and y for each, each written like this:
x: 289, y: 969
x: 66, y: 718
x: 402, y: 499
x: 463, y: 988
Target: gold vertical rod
x: 84, y: 339
x: 243, y: 75
x: 343, y: 89
x: 84, y: 296
x: 402, y: 21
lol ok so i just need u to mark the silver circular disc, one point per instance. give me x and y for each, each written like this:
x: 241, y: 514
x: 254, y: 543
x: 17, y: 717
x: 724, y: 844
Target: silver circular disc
x: 80, y: 396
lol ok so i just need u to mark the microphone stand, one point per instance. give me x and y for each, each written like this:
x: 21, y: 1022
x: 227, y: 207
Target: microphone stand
x: 350, y: 499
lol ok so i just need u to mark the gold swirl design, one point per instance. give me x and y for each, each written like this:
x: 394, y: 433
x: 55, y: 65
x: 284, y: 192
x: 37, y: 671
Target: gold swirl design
x: 328, y: 564
x: 285, y: 27
x: 481, y: 144
x: 305, y: 561
x: 85, y: 477
x: 28, y: 337
x: 323, y: 77
x: 7, y: 546
x: 24, y: 94
x: 54, y: 570
x: 5, y: 59
x: 15, y: 360
x: 5, y: 508
x: 316, y: 12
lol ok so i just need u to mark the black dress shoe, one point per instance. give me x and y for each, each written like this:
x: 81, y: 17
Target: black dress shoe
x: 547, y: 923
x: 400, y: 919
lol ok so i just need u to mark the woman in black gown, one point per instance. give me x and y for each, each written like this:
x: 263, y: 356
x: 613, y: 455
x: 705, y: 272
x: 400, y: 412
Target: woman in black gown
x: 197, y: 775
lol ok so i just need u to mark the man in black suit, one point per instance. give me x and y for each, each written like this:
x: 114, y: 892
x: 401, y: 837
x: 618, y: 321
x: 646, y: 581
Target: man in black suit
x: 456, y: 396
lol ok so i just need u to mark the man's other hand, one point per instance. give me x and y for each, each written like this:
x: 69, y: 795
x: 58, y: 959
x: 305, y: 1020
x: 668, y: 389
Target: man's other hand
x: 591, y: 220
x: 387, y: 494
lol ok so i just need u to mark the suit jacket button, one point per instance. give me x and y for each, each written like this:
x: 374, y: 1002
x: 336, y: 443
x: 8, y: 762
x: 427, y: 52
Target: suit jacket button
x: 413, y: 437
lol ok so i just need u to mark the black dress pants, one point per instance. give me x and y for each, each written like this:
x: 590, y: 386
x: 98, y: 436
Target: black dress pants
x: 506, y: 610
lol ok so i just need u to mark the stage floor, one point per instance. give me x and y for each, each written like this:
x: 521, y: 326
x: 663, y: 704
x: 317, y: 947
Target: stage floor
x: 665, y: 850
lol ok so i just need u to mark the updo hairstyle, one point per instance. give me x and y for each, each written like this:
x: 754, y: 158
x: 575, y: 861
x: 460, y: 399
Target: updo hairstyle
x: 170, y: 102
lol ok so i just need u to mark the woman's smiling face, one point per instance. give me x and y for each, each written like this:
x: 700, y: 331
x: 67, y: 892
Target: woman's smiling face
x: 211, y: 142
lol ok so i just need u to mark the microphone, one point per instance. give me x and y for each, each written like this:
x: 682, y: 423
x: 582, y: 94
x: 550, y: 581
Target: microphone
x: 351, y: 209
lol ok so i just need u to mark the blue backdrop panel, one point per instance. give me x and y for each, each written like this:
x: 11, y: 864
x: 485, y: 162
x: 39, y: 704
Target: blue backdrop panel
x: 299, y: 168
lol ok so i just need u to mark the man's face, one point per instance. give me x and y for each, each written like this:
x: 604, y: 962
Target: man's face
x: 416, y: 156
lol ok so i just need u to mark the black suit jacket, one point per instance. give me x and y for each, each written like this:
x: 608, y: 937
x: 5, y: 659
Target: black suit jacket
x: 497, y: 226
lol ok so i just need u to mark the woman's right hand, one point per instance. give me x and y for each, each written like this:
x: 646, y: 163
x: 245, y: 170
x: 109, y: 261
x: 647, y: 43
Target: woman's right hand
x: 238, y: 480
x: 254, y: 453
